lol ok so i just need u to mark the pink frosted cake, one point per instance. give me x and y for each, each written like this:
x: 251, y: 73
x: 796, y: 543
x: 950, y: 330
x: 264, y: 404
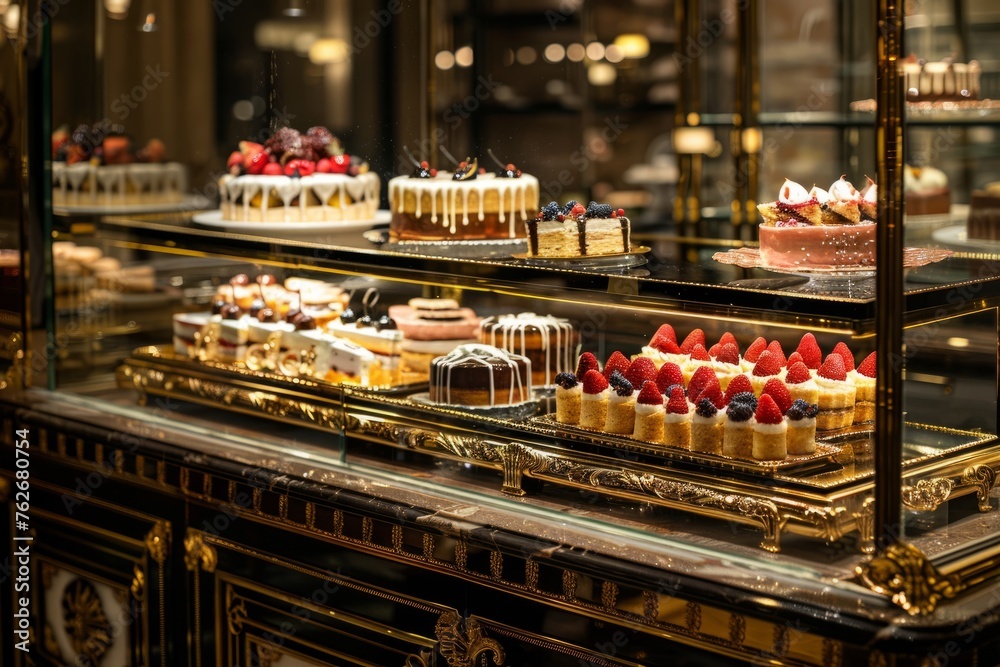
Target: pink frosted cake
x: 819, y: 229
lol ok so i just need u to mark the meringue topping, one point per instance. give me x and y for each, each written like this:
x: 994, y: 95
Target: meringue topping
x: 793, y: 193
x: 842, y: 190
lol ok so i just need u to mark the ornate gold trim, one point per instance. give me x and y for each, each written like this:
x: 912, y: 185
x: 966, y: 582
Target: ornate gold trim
x: 236, y: 612
x: 570, y: 580
x: 496, y: 564
x: 86, y: 624
x: 905, y: 574
x: 462, y: 641
x: 833, y: 653
x: 49, y: 641
x: 692, y: 617
x: 138, y: 585
x: 737, y: 629
x: 865, y: 518
x: 157, y: 541
x: 609, y: 595
x: 984, y: 478
x: 423, y: 659
x: 197, y: 553
x: 927, y: 494
x: 48, y: 572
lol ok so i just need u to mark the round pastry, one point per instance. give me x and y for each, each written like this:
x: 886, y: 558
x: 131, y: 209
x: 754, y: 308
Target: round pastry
x: 552, y: 343
x: 435, y: 319
x: 480, y: 375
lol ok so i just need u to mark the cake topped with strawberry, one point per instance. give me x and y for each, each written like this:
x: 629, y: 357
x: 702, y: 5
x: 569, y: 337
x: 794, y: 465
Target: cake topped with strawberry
x: 663, y: 347
x: 810, y: 352
x: 297, y: 177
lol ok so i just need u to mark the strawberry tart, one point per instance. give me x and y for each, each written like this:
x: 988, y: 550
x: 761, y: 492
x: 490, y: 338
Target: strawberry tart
x: 296, y: 177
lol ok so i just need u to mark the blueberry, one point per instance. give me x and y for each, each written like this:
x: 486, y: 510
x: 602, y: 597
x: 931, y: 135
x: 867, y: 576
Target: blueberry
x: 550, y: 211
x: 569, y: 206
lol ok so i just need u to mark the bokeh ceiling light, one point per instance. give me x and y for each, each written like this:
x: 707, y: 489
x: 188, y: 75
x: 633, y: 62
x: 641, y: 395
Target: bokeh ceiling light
x: 294, y: 9
x: 444, y: 60
x: 633, y: 45
x: 328, y: 51
x: 526, y: 55
x: 12, y: 20
x: 575, y: 52
x: 149, y: 24
x: 464, y: 56
x: 117, y: 9
x: 613, y: 54
x: 601, y: 74
x: 554, y: 53
x: 595, y: 50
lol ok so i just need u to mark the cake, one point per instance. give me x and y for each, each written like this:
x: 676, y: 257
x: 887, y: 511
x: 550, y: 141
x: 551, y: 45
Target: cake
x: 941, y: 80
x: 677, y: 421
x: 801, y: 232
x: 737, y: 435
x: 621, y: 405
x: 594, y: 400
x: 577, y: 231
x: 464, y: 205
x: 801, y: 418
x: 984, y: 213
x: 99, y: 166
x: 296, y: 177
x: 649, y: 414
x: 707, y: 427
x: 800, y: 383
x: 770, y: 431
x: 431, y: 328
x: 663, y: 347
x: 926, y: 191
x: 767, y: 367
x: 863, y: 379
x: 569, y: 398
x: 552, y: 343
x: 836, y: 395
x: 810, y: 352
x: 480, y: 376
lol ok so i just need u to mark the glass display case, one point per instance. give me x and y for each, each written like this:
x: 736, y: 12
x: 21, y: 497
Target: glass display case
x: 684, y: 116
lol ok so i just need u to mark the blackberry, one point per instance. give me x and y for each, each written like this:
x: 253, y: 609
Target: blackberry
x: 566, y: 380
x: 569, y: 206
x: 739, y: 412
x: 602, y: 211
x: 745, y: 397
x: 550, y: 211
x: 706, y: 408
x: 812, y: 411
x: 621, y: 385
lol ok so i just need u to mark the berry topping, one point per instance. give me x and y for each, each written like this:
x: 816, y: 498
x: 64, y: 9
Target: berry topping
x: 714, y: 350
x: 385, y: 323
x: 768, y: 411
x: 588, y: 362
x: 797, y: 373
x: 569, y: 206
x: 739, y: 411
x: 272, y: 169
x: 833, y: 368
x: 621, y: 212
x: 755, y: 349
x: 728, y: 354
x: 296, y: 168
x: 713, y: 392
x: 235, y: 162
x: 621, y: 385
x: 738, y: 385
x: 779, y: 354
x: 694, y: 338
x: 650, y: 394
x: 665, y: 334
x: 729, y: 338
x: 706, y: 408
x: 669, y: 374
x: 324, y: 166
x: 677, y: 404
x: 616, y: 362
x: 255, y: 163
x: 700, y: 381
x: 801, y: 410
x: 812, y: 356
x: 595, y: 210
x: 745, y: 398
x: 793, y: 358
x: 348, y: 316
x: 867, y: 367
x: 340, y: 164
x: 641, y: 370
x: 767, y: 365
x: 777, y: 390
x: 566, y: 380
x: 594, y: 382
x: 577, y: 210
x: 699, y: 353
x: 551, y: 211
x: 846, y: 354
x: 424, y: 164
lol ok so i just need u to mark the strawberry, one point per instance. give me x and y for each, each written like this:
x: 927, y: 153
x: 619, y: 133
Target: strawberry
x: 340, y: 164
x: 324, y: 166
x: 669, y: 374
x: 756, y: 347
x: 677, y: 404
x: 714, y: 350
x: 699, y: 353
x: 833, y: 368
x: 250, y: 147
x: 728, y: 354
x: 694, y: 338
x: 812, y: 356
x: 640, y: 371
x: 777, y: 390
x: 795, y: 357
x: 303, y: 167
x: 664, y: 334
x: 729, y: 338
x: 779, y: 354
x: 649, y: 394
x: 594, y: 382
x: 703, y: 378
x: 713, y: 393
x: 272, y: 169
x: 768, y: 411
x: 767, y: 365
x: 588, y: 362
x: 867, y: 367
x: 235, y: 161
x: 255, y: 163
x: 797, y: 373
x: 848, y: 356
x: 738, y: 385
x: 616, y: 362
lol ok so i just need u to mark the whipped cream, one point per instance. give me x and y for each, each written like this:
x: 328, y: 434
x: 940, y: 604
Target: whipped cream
x: 842, y: 190
x: 792, y: 193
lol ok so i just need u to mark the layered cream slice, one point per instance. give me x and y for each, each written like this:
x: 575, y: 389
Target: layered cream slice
x: 575, y: 230
x: 819, y: 229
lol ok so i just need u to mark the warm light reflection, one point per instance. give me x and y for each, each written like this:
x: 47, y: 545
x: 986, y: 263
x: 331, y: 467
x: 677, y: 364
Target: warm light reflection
x: 444, y: 60
x: 694, y: 140
x: 328, y: 51
x: 613, y: 54
x: 595, y: 50
x: 526, y: 55
x: 554, y: 53
x: 149, y: 25
x: 464, y: 56
x: 633, y: 45
x: 243, y: 110
x: 116, y: 9
x: 575, y: 52
x: 958, y: 342
x: 601, y: 74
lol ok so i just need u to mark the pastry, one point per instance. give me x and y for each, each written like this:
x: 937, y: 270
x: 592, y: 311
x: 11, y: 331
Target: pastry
x: 770, y: 431
x: 621, y: 406
x: 737, y: 435
x: 800, y: 383
x: 480, y: 375
x: 578, y: 231
x: 677, y: 420
x: 594, y: 400
x: 663, y: 347
x: 984, y: 213
x: 801, y: 418
x: 864, y: 384
x: 940, y: 80
x: 926, y: 191
x: 767, y: 367
x: 649, y: 414
x: 435, y: 319
x: 552, y: 343
x: 836, y: 395
x: 707, y: 427
x: 569, y: 398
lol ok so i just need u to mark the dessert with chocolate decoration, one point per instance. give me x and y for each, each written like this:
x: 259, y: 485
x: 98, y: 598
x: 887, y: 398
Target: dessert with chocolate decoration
x: 941, y: 80
x: 575, y: 230
x: 552, y: 343
x: 480, y: 376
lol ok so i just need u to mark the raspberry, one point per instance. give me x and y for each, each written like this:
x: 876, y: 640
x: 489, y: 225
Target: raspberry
x: 641, y: 370
x: 699, y: 353
x: 566, y: 380
x: 669, y: 373
x: 594, y: 382
x: 738, y: 385
x: 867, y: 367
x: 577, y: 210
x: 694, y: 338
x: 795, y: 357
x: 340, y: 164
x: 812, y: 356
x: 712, y: 392
x: 588, y: 362
x: 665, y: 334
x: 739, y: 411
x: 649, y: 394
x: 767, y: 365
x: 777, y: 390
x: 677, y: 404
x: 706, y: 408
x: 768, y: 411
x: 730, y: 339
x: 845, y: 353
x: 616, y: 362
x: 756, y: 347
x: 833, y: 368
x: 728, y: 354
x: 621, y: 385
x: 701, y: 380
x: 779, y: 354
x: 797, y: 373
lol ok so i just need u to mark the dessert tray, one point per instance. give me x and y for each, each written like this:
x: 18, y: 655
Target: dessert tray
x: 749, y: 258
x: 187, y: 203
x: 637, y: 257
x: 465, y: 249
x: 213, y: 220
x: 957, y: 237
x: 515, y: 411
